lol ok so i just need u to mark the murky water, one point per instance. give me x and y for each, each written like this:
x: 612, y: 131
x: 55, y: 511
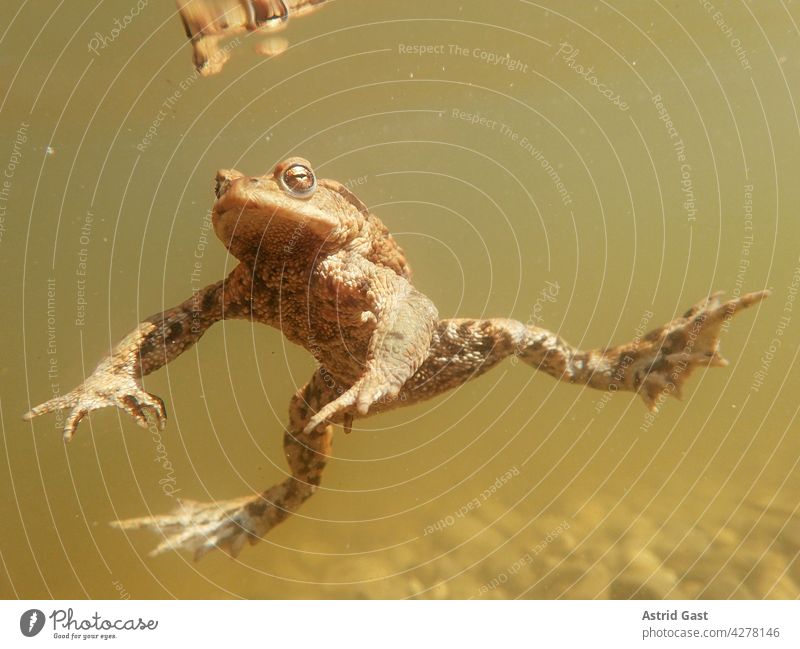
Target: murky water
x: 593, y: 168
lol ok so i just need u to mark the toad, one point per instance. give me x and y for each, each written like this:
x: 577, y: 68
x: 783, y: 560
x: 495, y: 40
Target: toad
x: 318, y: 265
x: 209, y: 22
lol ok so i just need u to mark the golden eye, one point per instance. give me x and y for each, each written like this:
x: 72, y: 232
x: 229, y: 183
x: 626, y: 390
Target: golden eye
x: 298, y: 180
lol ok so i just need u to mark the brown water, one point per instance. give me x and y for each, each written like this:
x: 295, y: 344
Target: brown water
x: 559, y: 185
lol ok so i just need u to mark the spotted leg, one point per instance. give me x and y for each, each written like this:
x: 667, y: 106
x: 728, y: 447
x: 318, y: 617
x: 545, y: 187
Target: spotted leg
x: 657, y: 364
x: 201, y: 527
x: 117, y: 380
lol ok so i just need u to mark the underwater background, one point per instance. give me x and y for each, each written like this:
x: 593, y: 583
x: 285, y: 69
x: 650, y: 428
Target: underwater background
x: 593, y: 168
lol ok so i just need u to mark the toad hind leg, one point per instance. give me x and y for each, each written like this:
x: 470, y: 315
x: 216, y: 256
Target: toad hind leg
x: 201, y: 527
x: 656, y: 364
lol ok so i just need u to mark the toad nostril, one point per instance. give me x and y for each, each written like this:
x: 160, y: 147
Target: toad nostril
x: 223, y: 183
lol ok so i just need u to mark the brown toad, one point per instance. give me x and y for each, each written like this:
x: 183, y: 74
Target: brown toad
x: 315, y: 263
x: 209, y: 22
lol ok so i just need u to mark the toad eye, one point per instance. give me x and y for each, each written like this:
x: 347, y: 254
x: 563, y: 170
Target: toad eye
x: 298, y: 180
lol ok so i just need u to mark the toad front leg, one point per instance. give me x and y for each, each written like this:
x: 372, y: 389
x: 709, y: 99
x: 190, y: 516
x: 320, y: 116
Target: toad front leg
x: 404, y: 321
x: 116, y: 381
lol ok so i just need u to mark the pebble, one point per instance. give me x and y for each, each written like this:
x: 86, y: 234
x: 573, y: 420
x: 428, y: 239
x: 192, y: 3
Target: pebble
x: 631, y: 556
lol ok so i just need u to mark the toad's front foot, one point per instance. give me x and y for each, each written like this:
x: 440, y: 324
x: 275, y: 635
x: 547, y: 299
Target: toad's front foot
x: 201, y: 527
x: 374, y: 387
x: 666, y: 357
x: 103, y: 389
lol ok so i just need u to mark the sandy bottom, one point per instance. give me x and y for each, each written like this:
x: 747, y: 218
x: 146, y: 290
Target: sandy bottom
x: 604, y: 551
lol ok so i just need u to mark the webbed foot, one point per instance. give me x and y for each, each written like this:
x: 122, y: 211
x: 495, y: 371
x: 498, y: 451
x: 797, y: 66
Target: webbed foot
x: 666, y: 357
x: 201, y: 527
